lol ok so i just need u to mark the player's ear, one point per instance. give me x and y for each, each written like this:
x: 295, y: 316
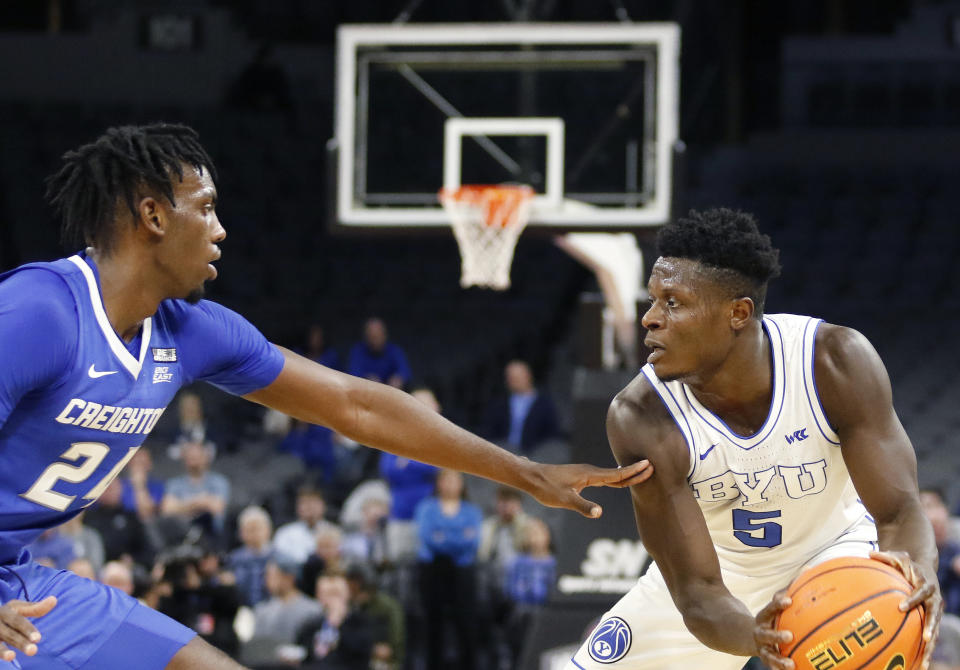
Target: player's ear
x: 741, y: 312
x: 151, y: 215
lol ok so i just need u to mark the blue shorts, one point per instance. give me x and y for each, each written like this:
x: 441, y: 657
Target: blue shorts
x: 92, y: 625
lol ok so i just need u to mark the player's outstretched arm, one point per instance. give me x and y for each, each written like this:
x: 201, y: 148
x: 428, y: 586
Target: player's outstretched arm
x: 855, y: 391
x: 671, y: 524
x: 16, y: 630
x: 383, y: 417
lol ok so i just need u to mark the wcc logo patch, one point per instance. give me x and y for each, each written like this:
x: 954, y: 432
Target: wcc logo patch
x: 610, y: 641
x: 798, y: 436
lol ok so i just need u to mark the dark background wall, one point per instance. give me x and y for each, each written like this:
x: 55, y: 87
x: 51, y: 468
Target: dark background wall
x: 836, y: 122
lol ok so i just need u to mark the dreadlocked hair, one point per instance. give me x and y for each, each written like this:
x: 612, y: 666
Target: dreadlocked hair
x: 729, y: 246
x: 86, y: 191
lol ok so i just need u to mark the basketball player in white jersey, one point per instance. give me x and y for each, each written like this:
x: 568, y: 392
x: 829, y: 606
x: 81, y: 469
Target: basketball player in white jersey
x: 775, y: 447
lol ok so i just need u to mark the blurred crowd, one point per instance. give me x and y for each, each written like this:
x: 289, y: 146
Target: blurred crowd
x: 356, y: 559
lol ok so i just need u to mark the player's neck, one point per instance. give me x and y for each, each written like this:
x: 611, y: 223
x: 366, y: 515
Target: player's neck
x: 128, y: 294
x: 739, y: 390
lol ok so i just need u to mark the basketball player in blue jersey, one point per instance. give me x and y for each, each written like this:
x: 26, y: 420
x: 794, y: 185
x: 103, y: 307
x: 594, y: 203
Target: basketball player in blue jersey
x: 775, y: 447
x: 96, y: 345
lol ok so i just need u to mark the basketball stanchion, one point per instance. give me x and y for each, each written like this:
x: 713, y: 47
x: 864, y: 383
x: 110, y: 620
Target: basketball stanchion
x: 487, y: 221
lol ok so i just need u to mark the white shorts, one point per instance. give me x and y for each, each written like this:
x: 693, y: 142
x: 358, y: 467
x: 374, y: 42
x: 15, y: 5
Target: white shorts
x: 645, y: 631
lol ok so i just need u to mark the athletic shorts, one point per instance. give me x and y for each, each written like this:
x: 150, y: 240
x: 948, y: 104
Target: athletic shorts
x: 645, y: 631
x: 92, y: 626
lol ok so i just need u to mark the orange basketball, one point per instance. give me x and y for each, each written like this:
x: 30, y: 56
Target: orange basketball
x: 844, y: 614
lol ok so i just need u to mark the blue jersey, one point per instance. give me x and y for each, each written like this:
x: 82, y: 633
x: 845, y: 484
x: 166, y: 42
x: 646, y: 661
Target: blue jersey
x: 76, y: 401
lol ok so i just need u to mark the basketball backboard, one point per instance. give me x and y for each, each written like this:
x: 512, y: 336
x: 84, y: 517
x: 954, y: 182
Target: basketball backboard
x: 584, y: 113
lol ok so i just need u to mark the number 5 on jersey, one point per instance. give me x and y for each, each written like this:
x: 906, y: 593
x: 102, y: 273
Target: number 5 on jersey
x: 747, y: 523
x: 92, y: 454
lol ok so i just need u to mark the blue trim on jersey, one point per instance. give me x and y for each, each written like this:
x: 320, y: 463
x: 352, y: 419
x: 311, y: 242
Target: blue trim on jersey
x: 687, y: 436
x: 768, y: 425
x: 573, y: 660
x: 130, y: 362
x: 813, y: 380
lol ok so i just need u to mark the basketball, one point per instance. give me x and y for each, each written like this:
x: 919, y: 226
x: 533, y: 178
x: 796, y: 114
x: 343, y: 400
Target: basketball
x: 844, y: 614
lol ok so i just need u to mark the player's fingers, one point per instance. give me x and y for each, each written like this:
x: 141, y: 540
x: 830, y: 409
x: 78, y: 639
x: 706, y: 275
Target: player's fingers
x: 639, y: 477
x: 35, y: 609
x: 774, y: 660
x: 11, y: 617
x: 6, y: 654
x: 920, y: 595
x: 630, y: 475
x: 13, y: 637
x: 898, y: 560
x: 777, y: 604
x: 934, y: 612
x: 587, y: 508
x: 616, y: 477
x: 772, y: 636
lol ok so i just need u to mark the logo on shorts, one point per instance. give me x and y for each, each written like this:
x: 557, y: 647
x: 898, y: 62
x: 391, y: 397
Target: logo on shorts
x: 610, y: 641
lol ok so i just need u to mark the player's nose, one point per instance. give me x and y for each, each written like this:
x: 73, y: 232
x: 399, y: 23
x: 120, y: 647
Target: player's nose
x: 219, y: 232
x: 651, y: 318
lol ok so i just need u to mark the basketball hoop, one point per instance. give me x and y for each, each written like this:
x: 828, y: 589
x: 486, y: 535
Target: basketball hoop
x: 487, y: 222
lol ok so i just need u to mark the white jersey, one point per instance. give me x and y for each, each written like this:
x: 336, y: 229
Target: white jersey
x: 775, y: 499
x: 775, y: 503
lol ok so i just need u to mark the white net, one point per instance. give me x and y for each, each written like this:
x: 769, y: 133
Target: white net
x: 487, y: 222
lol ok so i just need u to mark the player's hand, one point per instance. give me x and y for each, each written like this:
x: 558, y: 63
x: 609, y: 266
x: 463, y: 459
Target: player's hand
x: 16, y: 631
x: 926, y: 592
x: 560, y: 485
x: 769, y: 638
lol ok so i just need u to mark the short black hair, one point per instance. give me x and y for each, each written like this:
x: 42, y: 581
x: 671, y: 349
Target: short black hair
x: 92, y: 180
x: 728, y: 243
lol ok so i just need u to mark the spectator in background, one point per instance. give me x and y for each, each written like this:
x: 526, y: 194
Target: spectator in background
x: 948, y: 568
x: 298, y: 539
x: 529, y: 578
x: 449, y: 531
x: 118, y: 575
x: 314, y: 446
x: 203, y: 601
x: 501, y: 536
x: 142, y: 493
x: 280, y: 617
x: 82, y: 567
x: 326, y: 557
x: 317, y: 349
x: 368, y: 543
x: 386, y: 611
x: 378, y: 359
x: 342, y: 637
x: 200, y: 496
x: 191, y: 424
x: 524, y: 419
x: 248, y: 563
x: 124, y: 536
x: 86, y: 541
x: 351, y: 512
x: 53, y: 549
x: 410, y: 482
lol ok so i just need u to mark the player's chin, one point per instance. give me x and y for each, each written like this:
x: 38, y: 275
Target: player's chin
x: 665, y: 373
x: 196, y: 295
